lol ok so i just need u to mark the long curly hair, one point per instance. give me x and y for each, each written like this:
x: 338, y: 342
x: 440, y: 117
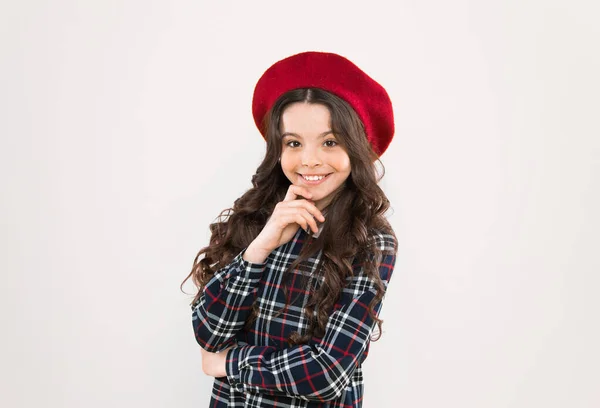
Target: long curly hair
x: 354, y: 214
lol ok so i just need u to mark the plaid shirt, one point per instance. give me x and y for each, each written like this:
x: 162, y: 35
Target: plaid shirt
x: 262, y: 369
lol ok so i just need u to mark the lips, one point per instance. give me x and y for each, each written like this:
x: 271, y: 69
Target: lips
x: 314, y: 182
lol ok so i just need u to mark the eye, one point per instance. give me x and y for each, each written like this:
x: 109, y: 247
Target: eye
x: 290, y: 142
x: 331, y: 141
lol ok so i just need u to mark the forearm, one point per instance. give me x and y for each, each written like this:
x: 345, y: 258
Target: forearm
x: 310, y: 373
x: 255, y: 254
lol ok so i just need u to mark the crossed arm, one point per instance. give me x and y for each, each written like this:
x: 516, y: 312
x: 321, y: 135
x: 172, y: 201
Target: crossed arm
x: 222, y: 309
x: 316, y: 371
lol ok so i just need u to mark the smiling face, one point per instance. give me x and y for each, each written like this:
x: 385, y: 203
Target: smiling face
x: 311, y: 156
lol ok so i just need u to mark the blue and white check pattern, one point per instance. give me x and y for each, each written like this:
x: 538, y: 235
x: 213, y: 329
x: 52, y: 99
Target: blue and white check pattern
x: 262, y: 369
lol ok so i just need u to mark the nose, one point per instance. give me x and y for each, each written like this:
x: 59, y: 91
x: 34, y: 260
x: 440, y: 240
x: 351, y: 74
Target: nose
x: 310, y: 157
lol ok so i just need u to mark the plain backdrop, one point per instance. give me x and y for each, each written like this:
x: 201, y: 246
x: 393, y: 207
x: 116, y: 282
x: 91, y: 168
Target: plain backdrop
x: 126, y: 128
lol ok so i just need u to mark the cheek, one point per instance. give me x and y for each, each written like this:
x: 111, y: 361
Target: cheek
x: 342, y: 163
x: 287, y: 164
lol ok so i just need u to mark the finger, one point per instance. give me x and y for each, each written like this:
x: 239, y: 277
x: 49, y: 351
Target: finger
x: 294, y: 191
x: 312, y: 208
x: 303, y: 218
x: 306, y: 204
x: 310, y: 220
x: 306, y: 221
x: 292, y: 218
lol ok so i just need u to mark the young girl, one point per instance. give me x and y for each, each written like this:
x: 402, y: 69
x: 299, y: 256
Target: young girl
x: 291, y: 284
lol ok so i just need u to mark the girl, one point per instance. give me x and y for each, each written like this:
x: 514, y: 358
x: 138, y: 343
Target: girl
x: 292, y: 281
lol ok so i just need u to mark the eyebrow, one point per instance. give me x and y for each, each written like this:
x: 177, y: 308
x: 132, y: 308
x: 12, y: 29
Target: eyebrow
x: 297, y: 135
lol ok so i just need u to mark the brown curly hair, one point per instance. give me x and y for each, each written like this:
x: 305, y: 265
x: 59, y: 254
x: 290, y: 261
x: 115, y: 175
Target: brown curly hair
x: 355, y: 213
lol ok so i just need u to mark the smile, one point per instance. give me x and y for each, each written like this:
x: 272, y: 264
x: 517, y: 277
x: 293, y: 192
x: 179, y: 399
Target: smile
x: 313, y: 180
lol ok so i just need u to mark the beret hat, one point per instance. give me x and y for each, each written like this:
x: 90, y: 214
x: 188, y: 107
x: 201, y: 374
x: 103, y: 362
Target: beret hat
x: 333, y: 73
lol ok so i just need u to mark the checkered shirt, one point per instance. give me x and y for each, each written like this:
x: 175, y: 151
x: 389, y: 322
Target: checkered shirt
x: 262, y: 369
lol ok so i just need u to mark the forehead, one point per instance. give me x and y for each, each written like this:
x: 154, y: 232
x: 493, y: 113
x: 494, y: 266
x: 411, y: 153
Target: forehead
x: 305, y: 118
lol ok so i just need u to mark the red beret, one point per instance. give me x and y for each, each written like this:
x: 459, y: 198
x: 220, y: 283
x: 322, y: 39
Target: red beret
x: 334, y: 74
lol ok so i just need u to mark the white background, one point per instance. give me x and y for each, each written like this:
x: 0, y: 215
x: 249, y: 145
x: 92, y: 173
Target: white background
x: 126, y: 128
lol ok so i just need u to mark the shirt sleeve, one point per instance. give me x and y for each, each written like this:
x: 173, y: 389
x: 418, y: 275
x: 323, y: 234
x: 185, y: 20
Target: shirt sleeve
x: 225, y: 303
x: 318, y: 371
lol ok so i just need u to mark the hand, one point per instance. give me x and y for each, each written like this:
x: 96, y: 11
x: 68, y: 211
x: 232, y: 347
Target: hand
x: 214, y: 364
x: 287, y: 216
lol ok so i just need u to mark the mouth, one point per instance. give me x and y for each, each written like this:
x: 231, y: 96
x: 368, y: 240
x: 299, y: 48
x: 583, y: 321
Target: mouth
x: 313, y: 180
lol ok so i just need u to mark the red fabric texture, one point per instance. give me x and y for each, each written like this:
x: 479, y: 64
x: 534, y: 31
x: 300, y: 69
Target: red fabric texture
x: 334, y: 74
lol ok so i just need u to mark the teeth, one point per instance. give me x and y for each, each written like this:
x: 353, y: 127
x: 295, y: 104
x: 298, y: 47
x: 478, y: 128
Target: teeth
x: 313, y: 178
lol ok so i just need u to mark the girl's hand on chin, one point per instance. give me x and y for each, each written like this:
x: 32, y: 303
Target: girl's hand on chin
x: 287, y: 216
